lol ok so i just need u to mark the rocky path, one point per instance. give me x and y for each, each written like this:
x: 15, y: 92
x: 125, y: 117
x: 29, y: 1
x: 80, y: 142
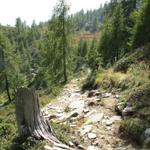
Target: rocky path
x: 92, y: 119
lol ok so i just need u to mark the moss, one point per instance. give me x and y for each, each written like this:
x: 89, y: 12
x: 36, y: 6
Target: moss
x: 133, y: 128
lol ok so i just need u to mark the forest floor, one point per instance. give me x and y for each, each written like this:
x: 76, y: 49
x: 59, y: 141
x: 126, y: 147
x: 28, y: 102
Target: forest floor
x: 90, y: 119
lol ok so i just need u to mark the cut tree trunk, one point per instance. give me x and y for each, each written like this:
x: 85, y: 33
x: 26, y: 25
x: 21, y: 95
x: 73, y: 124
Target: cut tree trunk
x: 29, y: 119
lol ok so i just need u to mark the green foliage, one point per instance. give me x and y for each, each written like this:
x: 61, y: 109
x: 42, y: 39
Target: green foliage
x: 140, y: 97
x: 140, y: 54
x: 133, y: 128
x: 88, y: 21
x: 82, y: 51
x: 123, y: 64
x: 8, y: 127
x: 57, y: 50
x: 90, y: 81
x: 62, y: 131
x: 141, y: 34
x: 94, y: 59
x: 112, y: 41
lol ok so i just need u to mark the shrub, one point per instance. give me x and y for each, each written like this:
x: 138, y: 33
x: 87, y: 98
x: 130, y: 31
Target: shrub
x: 133, y: 128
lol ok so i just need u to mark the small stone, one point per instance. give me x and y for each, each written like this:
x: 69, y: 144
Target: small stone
x: 71, y: 144
x: 106, y: 95
x: 115, y: 118
x: 81, y: 147
x: 96, y: 117
x: 47, y: 147
x: 77, y: 104
x: 102, y: 136
x: 108, y: 128
x: 92, y: 135
x: 86, y: 110
x: 86, y: 129
x: 127, y: 111
x: 147, y: 133
x: 92, y: 148
x: 109, y: 122
x: 117, y: 96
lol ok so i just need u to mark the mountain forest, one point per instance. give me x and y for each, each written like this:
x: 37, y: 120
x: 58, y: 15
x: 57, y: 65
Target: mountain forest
x: 77, y: 81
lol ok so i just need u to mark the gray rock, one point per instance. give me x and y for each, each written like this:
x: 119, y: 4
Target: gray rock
x: 81, y: 147
x: 115, y: 118
x: 127, y: 111
x: 85, y: 129
x: 79, y: 104
x: 92, y: 148
x: 119, y: 108
x: 94, y: 118
x: 91, y: 135
x: 117, y: 96
x: 47, y: 147
x: 86, y: 110
x: 109, y: 122
x: 147, y: 133
x: 106, y: 95
x: 71, y: 144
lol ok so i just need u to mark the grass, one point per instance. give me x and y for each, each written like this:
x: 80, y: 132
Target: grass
x: 62, y: 131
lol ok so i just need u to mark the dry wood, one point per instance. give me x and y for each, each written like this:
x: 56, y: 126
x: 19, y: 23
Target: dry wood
x: 29, y: 119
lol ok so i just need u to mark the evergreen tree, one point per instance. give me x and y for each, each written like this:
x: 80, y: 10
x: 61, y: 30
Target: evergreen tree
x: 57, y: 42
x: 142, y: 27
x: 94, y: 59
x: 113, y: 36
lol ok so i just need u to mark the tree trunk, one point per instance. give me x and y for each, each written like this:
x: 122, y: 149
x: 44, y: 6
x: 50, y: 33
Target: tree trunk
x: 64, y: 47
x: 29, y: 119
x: 7, y: 87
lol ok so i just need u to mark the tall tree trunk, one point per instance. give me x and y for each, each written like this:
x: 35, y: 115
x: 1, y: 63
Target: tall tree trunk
x: 29, y: 119
x: 5, y: 76
x: 7, y: 87
x: 64, y: 47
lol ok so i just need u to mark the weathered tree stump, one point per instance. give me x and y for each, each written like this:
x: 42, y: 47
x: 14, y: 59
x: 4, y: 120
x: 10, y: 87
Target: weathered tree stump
x: 29, y: 119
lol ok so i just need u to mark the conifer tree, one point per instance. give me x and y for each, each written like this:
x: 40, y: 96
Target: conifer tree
x: 57, y: 42
x: 142, y: 27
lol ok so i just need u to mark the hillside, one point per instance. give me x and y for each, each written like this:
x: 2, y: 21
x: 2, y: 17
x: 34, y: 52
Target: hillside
x: 129, y: 79
x: 77, y: 82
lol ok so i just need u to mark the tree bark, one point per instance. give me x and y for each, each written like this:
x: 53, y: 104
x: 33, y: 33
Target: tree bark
x: 29, y: 119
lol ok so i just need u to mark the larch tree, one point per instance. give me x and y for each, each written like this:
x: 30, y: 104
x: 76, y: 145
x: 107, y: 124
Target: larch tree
x: 4, y: 63
x: 57, y: 42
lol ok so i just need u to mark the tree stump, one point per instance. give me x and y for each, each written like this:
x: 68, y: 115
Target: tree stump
x: 29, y: 119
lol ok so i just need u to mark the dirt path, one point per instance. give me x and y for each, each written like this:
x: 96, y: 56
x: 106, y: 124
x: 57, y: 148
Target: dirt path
x: 91, y: 117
